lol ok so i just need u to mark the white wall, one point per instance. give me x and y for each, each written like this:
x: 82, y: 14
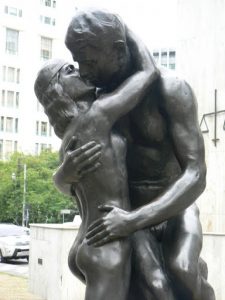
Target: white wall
x: 53, y: 280
x: 201, y: 60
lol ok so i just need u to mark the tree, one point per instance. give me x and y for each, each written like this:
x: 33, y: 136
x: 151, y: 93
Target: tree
x: 43, y: 201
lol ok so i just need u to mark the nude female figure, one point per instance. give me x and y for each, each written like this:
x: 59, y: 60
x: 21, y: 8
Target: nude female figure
x: 68, y: 102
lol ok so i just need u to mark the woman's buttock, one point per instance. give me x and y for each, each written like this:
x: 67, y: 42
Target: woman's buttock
x: 107, y: 258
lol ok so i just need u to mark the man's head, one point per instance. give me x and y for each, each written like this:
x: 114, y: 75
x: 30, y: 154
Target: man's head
x: 58, y: 88
x: 97, y: 41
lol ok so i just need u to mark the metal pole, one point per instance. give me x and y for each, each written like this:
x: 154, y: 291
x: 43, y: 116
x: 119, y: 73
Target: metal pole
x: 24, y: 192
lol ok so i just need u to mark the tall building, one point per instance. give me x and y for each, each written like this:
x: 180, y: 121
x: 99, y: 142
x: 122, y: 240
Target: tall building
x: 31, y: 32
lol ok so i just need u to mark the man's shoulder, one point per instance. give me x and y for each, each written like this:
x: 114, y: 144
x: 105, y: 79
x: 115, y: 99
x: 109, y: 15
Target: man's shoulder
x: 176, y: 92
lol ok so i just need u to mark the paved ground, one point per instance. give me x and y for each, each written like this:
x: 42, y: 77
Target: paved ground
x: 14, y: 281
x: 15, y: 267
x: 14, y: 288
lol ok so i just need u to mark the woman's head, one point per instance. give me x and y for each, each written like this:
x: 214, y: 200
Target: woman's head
x: 59, y: 87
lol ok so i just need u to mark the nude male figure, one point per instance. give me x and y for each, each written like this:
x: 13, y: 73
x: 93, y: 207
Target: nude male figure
x: 165, y: 162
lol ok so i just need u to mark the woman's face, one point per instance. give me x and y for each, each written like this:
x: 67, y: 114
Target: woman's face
x: 73, y: 85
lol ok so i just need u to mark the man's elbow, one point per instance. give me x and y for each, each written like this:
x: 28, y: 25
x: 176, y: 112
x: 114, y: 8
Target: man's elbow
x: 199, y: 174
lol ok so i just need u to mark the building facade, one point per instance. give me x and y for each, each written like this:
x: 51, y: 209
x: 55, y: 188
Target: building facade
x: 31, y: 32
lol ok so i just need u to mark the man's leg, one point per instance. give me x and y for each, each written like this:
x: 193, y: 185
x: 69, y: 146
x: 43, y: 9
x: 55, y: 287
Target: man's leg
x: 149, y: 280
x: 182, y: 243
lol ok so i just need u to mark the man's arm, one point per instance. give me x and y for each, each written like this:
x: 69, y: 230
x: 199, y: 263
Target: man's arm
x: 181, y: 113
x: 75, y: 164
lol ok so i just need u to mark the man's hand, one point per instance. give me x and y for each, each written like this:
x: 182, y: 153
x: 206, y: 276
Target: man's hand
x: 112, y: 226
x: 77, y: 163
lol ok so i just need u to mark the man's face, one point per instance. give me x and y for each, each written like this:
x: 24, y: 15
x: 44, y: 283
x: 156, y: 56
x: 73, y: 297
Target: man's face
x: 98, y: 65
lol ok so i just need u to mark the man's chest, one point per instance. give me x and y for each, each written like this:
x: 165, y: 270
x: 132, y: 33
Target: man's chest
x: 145, y: 124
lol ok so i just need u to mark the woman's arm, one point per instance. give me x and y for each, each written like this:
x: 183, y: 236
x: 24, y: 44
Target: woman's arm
x: 132, y: 90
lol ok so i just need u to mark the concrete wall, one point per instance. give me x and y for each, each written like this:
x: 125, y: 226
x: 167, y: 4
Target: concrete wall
x: 49, y: 275
x: 201, y: 61
x: 53, y: 280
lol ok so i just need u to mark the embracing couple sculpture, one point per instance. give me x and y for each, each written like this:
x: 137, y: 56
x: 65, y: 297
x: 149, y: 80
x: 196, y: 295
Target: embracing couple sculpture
x: 133, y: 158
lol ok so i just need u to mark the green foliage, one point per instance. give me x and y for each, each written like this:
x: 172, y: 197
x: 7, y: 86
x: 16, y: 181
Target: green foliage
x: 42, y: 199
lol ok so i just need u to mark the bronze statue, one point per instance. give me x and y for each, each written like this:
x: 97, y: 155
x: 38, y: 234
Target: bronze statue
x: 60, y: 88
x: 165, y: 166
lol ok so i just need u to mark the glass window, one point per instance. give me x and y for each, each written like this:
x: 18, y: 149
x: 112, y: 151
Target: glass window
x: 53, y: 22
x: 48, y: 3
x: 37, y: 128
x: 54, y: 3
x: 4, y: 73
x: 18, y: 76
x: 12, y: 11
x: 17, y: 99
x: 47, y: 20
x: 1, y: 149
x: 156, y: 56
x: 36, y: 148
x: 15, y: 146
x: 11, y: 74
x: 46, y: 48
x: 9, y: 124
x: 16, y: 125
x: 172, y: 66
x: 43, y: 147
x: 50, y: 130
x: 12, y: 37
x: 10, y: 99
x: 20, y: 13
x: 8, y: 148
x: 3, y: 98
x: 43, y: 128
x: 2, y: 124
x: 164, y: 59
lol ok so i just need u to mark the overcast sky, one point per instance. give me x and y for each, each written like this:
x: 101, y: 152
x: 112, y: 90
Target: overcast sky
x: 153, y: 20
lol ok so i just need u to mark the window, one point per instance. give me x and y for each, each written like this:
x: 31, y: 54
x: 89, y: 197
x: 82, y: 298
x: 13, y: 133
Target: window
x: 8, y: 148
x: 2, y: 103
x: 18, y: 76
x: 15, y: 146
x: 37, y: 128
x: 36, y: 148
x: 1, y: 149
x: 10, y: 74
x: 172, y: 59
x: 2, y: 124
x: 156, y: 56
x: 12, y: 37
x: 50, y: 130
x: 43, y: 147
x: 49, y: 3
x: 17, y: 99
x: 44, y: 128
x: 16, y: 125
x: 13, y: 11
x: 164, y: 59
x: 46, y: 48
x: 9, y: 124
x: 10, y: 98
x: 47, y: 20
x: 4, y: 73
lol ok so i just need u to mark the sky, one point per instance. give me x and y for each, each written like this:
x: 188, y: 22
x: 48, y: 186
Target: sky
x: 153, y: 20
